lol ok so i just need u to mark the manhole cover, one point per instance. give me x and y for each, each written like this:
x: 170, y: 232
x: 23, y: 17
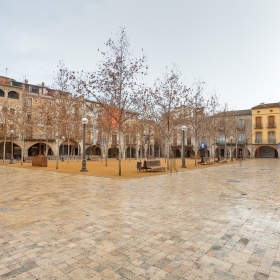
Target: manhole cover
x: 233, y: 181
x: 6, y: 209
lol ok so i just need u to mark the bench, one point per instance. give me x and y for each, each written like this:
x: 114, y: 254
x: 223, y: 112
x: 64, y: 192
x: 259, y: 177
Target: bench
x: 27, y: 159
x: 207, y: 161
x: 222, y: 160
x: 153, y: 165
x: 240, y: 157
x: 93, y: 158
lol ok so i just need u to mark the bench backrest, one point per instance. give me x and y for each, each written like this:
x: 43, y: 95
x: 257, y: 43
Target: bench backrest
x: 151, y: 162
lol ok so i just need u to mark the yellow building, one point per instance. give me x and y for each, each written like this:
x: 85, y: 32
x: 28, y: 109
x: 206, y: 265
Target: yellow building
x: 266, y: 130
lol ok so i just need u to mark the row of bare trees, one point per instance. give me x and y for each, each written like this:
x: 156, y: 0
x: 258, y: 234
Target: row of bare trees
x: 126, y: 105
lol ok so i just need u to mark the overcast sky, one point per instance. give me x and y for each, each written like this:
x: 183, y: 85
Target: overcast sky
x: 233, y: 45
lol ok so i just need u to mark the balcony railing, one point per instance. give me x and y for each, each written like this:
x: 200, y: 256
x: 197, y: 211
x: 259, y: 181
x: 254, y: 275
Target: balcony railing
x: 240, y: 127
x: 271, y: 125
x: 265, y: 141
x: 258, y: 126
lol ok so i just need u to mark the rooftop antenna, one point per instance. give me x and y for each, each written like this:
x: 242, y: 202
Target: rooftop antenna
x: 6, y: 71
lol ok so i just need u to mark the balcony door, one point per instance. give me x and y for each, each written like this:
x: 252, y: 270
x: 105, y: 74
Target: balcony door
x: 271, y: 137
x: 258, y: 122
x: 258, y: 137
x: 271, y: 121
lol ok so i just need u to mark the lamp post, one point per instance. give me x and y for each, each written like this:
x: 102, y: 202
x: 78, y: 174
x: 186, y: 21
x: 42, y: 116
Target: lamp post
x: 62, y: 138
x: 84, y: 161
x: 231, y: 157
x: 183, y: 128
x: 12, y: 147
x: 147, y: 136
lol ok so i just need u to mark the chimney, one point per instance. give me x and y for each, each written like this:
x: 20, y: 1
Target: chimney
x: 43, y: 84
x: 26, y: 81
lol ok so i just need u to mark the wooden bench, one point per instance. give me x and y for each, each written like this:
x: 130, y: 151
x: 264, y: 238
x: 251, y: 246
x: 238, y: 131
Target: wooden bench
x: 93, y: 158
x: 207, y: 161
x: 222, y: 160
x: 28, y: 159
x: 153, y: 165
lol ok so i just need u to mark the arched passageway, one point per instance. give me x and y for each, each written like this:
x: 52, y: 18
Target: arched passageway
x: 93, y: 151
x: 40, y: 149
x: 113, y: 152
x: 8, y: 149
x: 13, y: 95
x: 178, y: 153
x: 130, y: 152
x: 266, y: 152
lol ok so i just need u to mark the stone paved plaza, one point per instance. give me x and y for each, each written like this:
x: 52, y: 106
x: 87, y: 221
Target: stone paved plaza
x: 214, y: 223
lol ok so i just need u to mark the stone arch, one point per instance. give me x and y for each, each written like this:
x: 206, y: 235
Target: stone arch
x: 93, y: 150
x: 266, y: 151
x: 8, y: 147
x: 113, y: 152
x: 133, y: 152
x: 178, y: 153
x: 39, y: 148
x: 2, y: 93
x: 73, y: 147
x: 13, y: 94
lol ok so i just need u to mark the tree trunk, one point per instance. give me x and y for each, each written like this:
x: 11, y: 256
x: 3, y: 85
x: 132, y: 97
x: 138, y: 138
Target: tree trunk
x: 57, y: 154
x: 120, y: 158
x: 168, y: 156
x: 4, y: 149
x: 22, y: 149
x: 235, y: 149
x: 68, y: 150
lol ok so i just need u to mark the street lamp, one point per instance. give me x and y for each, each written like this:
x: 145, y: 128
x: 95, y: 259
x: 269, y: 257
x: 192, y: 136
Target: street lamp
x: 231, y: 157
x: 183, y: 128
x: 62, y: 138
x: 84, y: 121
x: 12, y: 147
x: 147, y: 135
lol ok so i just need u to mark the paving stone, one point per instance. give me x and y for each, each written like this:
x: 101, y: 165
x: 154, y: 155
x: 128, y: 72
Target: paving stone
x: 68, y: 226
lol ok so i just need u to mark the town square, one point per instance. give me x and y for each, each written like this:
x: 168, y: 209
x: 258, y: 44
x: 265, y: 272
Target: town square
x: 139, y: 140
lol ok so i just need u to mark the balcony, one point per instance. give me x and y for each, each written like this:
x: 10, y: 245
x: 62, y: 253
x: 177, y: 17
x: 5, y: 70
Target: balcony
x: 258, y: 126
x: 271, y: 125
x: 240, y: 127
x: 265, y: 141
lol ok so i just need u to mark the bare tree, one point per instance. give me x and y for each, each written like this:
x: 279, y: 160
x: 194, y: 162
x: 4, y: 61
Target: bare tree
x: 115, y: 84
x: 170, y: 97
x: 6, y: 119
x: 197, y: 114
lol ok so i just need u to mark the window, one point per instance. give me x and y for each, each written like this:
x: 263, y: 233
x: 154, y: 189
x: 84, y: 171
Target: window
x: 271, y: 137
x: 34, y: 90
x: 258, y: 139
x: 174, y: 141
x: 241, y: 123
x: 13, y: 95
x: 258, y: 122
x: 271, y: 121
x: 222, y: 139
x: 2, y: 93
x: 189, y: 140
x: 241, y: 138
x: 114, y: 139
x: 29, y: 102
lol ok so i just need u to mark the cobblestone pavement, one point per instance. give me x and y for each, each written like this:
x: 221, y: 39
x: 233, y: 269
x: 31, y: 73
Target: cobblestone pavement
x: 215, y: 223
